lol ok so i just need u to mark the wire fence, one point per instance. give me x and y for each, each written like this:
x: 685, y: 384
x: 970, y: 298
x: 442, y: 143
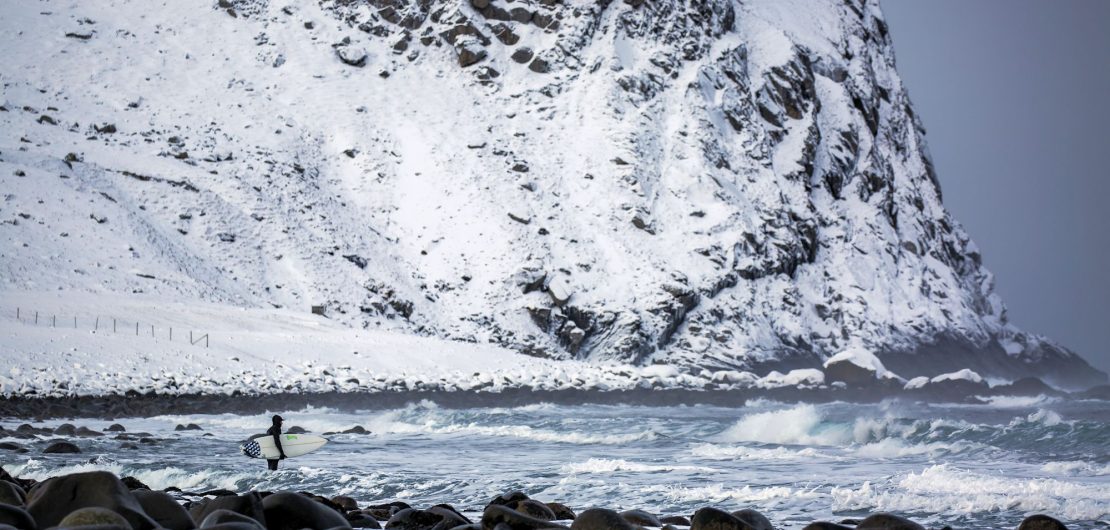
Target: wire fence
x: 98, y: 323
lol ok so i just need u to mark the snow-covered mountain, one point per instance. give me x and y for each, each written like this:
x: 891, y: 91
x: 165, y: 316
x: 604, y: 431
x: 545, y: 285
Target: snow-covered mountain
x: 707, y: 183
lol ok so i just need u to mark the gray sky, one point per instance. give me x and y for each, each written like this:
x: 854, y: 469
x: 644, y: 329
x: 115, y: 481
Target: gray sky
x: 1015, y: 96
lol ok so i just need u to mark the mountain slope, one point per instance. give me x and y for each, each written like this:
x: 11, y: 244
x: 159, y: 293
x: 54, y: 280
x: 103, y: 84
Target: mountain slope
x: 713, y: 183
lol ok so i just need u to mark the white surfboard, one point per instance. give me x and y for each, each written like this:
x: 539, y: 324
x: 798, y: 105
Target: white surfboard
x: 292, y: 444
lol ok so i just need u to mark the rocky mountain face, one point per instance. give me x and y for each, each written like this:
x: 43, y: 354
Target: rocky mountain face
x: 708, y: 183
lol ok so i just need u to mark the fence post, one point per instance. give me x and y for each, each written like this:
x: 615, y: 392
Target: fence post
x: 36, y: 318
x: 152, y: 330
x: 96, y: 327
x: 113, y: 324
x: 17, y: 315
x: 53, y: 321
x: 190, y: 336
x: 136, y: 329
x: 74, y: 322
x: 171, y: 334
x: 205, y: 340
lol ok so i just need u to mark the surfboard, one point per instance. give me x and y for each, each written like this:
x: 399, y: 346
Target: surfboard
x: 292, y: 444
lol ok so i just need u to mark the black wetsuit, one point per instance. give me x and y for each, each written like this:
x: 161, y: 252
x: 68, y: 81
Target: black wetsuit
x: 275, y: 431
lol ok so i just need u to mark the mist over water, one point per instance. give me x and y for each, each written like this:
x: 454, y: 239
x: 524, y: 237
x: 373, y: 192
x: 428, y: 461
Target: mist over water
x: 967, y: 466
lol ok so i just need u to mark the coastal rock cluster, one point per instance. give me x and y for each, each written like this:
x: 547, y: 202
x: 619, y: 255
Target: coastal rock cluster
x: 99, y: 500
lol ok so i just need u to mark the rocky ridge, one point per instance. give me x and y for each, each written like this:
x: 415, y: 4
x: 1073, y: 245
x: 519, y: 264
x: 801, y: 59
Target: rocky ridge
x: 712, y: 184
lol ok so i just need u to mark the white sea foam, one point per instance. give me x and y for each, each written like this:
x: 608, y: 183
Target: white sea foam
x: 943, y: 489
x: 799, y: 425
x: 740, y: 452
x: 1076, y: 468
x: 721, y: 493
x: 607, y: 465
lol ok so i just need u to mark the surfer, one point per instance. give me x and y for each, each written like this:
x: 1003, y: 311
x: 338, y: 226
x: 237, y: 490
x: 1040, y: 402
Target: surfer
x: 275, y: 431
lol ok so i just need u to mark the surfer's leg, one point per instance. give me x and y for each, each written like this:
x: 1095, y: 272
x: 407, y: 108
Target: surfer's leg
x: 273, y: 464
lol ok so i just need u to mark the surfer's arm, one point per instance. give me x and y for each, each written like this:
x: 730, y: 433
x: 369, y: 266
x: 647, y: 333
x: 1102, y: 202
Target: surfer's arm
x: 277, y: 442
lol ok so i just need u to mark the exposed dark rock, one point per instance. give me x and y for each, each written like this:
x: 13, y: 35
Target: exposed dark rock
x: 887, y: 521
x: 292, y: 511
x: 61, y: 448
x: 165, y: 511
x: 641, y: 518
x: 248, y: 504
x: 522, y: 54
x: 1041, y: 522
x: 714, y: 519
x: 601, y: 519
x: 53, y: 499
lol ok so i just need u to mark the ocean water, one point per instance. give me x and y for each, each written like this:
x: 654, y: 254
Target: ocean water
x: 982, y: 466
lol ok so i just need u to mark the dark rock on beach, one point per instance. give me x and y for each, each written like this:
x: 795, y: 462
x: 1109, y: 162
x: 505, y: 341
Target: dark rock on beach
x: 248, y: 504
x: 601, y: 519
x: 1041, y: 522
x: 94, y: 517
x: 221, y: 516
x: 887, y: 521
x: 822, y: 525
x: 165, y: 511
x: 642, y: 518
x: 563, y: 512
x: 115, y: 427
x: 498, y: 515
x: 293, y: 511
x: 17, y: 517
x: 61, y: 448
x: 714, y: 519
x: 754, y: 519
x: 12, y: 494
x: 53, y: 499
x: 676, y: 520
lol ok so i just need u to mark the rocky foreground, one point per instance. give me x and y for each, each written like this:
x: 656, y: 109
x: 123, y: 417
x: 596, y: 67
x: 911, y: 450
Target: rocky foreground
x: 100, y: 500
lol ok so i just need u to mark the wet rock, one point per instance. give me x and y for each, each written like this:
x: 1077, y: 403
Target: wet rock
x: 17, y: 517
x: 522, y: 54
x: 479, y: 4
x: 87, y: 432
x: 714, y: 519
x: 94, y: 517
x: 133, y: 483
x: 61, y: 448
x: 357, y: 429
x: 115, y: 427
x: 383, y: 512
x: 754, y: 519
x: 362, y: 520
x: 537, y: 509
x: 601, y: 519
x: 887, y: 521
x: 189, y: 427
x: 676, y: 520
x: 822, y: 525
x: 502, y: 516
x: 562, y: 512
x: 413, y: 519
x: 520, y: 14
x: 510, y: 498
x: 53, y: 499
x: 641, y: 518
x: 295, y: 430
x: 248, y: 504
x: 221, y: 516
x: 11, y: 494
x: 291, y: 511
x: 9, y: 446
x: 342, y: 501
x: 65, y: 429
x: 165, y: 511
x: 1041, y: 522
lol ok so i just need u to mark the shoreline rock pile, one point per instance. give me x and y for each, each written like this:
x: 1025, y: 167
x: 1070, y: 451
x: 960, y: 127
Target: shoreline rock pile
x: 99, y: 500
